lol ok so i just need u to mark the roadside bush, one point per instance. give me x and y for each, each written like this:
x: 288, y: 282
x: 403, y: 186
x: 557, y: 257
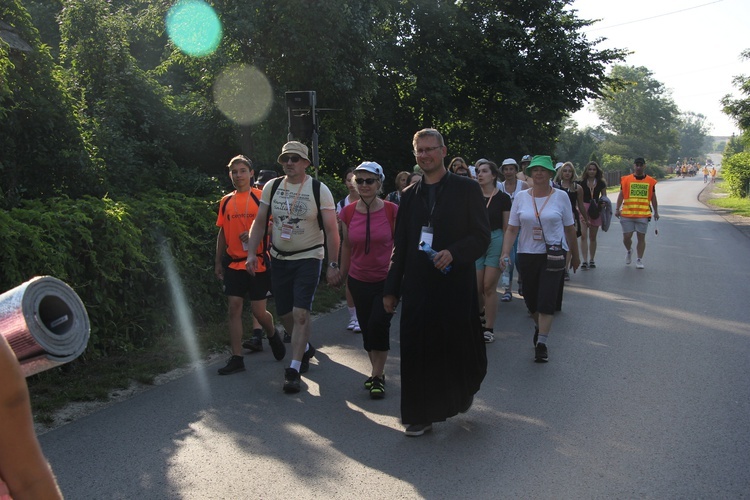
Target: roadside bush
x: 108, y: 251
x: 736, y: 173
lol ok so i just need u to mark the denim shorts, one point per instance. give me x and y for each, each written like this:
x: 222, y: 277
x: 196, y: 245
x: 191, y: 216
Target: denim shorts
x: 294, y: 283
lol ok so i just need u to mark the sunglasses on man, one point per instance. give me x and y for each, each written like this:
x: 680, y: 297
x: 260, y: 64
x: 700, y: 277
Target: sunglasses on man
x: 293, y: 158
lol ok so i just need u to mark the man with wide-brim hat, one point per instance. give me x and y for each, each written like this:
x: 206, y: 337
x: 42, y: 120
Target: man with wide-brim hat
x: 304, y: 219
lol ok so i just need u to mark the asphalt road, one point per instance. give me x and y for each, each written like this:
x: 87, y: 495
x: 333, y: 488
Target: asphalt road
x: 645, y: 395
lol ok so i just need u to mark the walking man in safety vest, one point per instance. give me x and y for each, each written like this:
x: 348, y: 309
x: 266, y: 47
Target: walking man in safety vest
x: 634, y: 207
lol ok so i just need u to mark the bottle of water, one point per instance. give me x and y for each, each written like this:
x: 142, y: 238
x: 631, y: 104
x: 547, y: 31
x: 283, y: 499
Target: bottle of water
x: 423, y: 246
x: 505, y: 278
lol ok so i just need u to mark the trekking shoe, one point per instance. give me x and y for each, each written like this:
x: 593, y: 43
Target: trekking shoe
x: 291, y: 381
x: 368, y: 383
x: 629, y: 257
x: 351, y: 324
x: 309, y: 353
x: 414, y: 430
x: 255, y: 344
x: 356, y: 328
x: 287, y: 337
x: 540, y: 353
x: 591, y: 265
x: 235, y: 364
x: 489, y: 337
x: 277, y: 345
x: 536, y: 335
x: 639, y: 264
x: 377, y: 388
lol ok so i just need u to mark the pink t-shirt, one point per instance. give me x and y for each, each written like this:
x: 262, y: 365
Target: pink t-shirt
x: 371, y: 267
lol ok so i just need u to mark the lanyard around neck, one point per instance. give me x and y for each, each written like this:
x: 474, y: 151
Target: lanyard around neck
x: 288, y: 208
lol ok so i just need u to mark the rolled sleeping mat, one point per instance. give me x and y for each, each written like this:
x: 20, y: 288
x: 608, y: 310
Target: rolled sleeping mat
x: 45, y: 323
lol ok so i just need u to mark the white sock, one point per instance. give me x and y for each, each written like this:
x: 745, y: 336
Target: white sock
x: 352, y: 313
x: 295, y: 364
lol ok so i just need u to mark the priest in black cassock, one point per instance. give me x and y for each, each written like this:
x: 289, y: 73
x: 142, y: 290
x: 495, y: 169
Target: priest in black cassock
x: 443, y: 357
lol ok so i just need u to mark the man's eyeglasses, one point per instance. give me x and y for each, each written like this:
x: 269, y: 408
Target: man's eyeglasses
x: 369, y: 181
x: 421, y: 152
x: 293, y: 158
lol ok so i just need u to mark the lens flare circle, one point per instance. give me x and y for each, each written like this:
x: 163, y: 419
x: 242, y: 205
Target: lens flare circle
x: 243, y: 94
x: 194, y: 27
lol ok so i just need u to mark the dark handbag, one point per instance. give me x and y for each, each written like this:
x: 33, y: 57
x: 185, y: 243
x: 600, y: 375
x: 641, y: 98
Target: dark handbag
x: 555, y: 257
x: 593, y: 210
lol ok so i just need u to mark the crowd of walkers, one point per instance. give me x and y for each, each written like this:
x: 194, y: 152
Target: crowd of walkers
x: 417, y: 249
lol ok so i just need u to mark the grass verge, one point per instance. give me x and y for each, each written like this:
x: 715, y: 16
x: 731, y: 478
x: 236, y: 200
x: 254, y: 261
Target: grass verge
x: 94, y: 380
x: 738, y: 206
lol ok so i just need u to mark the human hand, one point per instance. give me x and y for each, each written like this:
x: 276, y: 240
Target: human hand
x: 251, y: 264
x: 390, y: 302
x: 442, y: 259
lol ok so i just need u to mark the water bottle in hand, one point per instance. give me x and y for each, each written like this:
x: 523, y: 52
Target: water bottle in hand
x: 431, y: 253
x: 505, y: 278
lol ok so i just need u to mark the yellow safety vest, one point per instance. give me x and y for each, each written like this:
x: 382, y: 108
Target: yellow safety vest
x: 637, y: 194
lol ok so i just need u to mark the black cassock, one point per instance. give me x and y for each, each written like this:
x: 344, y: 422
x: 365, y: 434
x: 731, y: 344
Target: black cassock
x: 443, y: 356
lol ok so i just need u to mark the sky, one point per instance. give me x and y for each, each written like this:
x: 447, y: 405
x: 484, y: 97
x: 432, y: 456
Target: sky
x: 691, y: 46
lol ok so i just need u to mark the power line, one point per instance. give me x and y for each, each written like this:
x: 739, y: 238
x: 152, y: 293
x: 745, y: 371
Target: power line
x: 652, y: 17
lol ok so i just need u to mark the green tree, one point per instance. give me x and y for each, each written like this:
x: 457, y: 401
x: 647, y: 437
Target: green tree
x: 41, y: 152
x: 640, y: 112
x: 576, y: 145
x: 693, y: 131
x: 739, y: 108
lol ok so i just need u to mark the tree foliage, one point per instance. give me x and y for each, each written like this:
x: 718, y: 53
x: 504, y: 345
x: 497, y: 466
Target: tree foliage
x: 736, y: 173
x: 693, y: 131
x: 739, y: 108
x: 640, y: 112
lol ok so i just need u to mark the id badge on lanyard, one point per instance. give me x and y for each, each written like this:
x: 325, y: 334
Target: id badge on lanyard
x: 537, y: 234
x: 426, y: 235
x: 286, y: 231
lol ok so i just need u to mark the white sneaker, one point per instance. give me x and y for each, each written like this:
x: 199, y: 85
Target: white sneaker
x: 352, y: 323
x: 628, y: 257
x: 356, y: 328
x: 638, y: 264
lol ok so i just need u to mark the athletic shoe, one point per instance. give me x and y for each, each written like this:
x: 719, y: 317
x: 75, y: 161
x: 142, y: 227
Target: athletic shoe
x: 540, y: 353
x: 628, y: 257
x: 639, y: 264
x: 309, y: 353
x: 352, y: 323
x: 255, y: 344
x: 277, y: 345
x: 592, y: 265
x: 414, y: 430
x: 507, y: 296
x: 287, y: 337
x: 489, y: 337
x: 291, y: 381
x: 356, y: 328
x: 377, y: 388
x: 235, y: 364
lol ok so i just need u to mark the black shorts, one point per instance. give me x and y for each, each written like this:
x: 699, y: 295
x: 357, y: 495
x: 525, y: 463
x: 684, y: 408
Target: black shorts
x: 241, y: 283
x: 373, y: 319
x: 540, y: 287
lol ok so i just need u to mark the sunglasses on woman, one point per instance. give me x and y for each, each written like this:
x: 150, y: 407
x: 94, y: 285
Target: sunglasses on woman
x: 369, y: 182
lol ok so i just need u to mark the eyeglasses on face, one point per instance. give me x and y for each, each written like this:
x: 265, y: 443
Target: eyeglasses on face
x: 293, y: 158
x: 425, y: 151
x: 369, y: 181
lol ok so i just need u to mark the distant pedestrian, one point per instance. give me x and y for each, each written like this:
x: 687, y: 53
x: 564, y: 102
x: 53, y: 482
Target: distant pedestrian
x: 634, y: 207
x: 594, y: 189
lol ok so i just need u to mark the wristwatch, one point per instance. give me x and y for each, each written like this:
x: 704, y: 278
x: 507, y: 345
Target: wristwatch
x: 333, y: 265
